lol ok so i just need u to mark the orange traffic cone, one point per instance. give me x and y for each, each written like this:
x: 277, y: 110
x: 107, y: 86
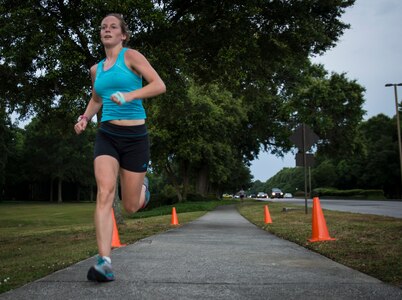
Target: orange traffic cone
x: 267, y: 216
x: 174, y: 221
x: 320, y: 230
x: 115, y: 237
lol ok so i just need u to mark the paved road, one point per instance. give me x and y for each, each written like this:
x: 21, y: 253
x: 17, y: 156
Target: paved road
x: 384, y: 208
x: 219, y: 256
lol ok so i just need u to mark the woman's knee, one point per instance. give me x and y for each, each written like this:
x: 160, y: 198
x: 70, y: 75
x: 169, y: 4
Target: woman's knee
x: 131, y: 206
x: 105, y: 197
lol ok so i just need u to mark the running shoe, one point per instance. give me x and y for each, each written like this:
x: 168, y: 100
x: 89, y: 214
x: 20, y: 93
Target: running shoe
x: 101, y: 272
x: 147, y: 193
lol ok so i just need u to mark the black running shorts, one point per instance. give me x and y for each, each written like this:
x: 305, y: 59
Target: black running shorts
x: 128, y: 144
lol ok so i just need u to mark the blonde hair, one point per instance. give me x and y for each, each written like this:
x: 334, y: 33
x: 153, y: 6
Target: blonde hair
x: 123, y: 26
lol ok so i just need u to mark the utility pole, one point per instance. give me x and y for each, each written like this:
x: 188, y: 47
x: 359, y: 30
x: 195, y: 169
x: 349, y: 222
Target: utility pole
x: 303, y: 137
x: 398, y: 125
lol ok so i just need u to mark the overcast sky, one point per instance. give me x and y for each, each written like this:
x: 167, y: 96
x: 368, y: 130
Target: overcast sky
x: 370, y: 52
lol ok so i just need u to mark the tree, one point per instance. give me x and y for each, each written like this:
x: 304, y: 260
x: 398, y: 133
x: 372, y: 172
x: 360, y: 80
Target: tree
x: 253, y: 49
x: 288, y: 180
x: 55, y: 152
x: 3, y: 149
x: 374, y: 165
x: 380, y: 167
x: 331, y: 106
x: 197, y: 138
x: 5, y: 142
x: 257, y: 186
x: 325, y: 174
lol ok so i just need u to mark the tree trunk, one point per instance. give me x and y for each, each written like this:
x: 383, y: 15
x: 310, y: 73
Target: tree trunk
x: 78, y: 192
x: 186, y: 179
x: 59, y: 190
x: 201, y: 185
x: 215, y: 189
x: 173, y: 179
x: 51, y: 190
x: 31, y: 190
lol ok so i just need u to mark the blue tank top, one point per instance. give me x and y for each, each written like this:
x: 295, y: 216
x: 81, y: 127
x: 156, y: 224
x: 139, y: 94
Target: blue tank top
x: 119, y: 78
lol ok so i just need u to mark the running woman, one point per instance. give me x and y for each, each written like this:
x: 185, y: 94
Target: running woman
x: 121, y: 146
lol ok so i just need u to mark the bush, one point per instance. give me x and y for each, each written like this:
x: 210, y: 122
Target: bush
x: 158, y: 200
x: 299, y: 194
x: 353, y: 193
x: 166, y: 199
x: 197, y: 197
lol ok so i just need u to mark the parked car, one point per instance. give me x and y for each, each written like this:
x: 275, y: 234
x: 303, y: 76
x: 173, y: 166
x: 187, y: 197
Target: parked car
x: 227, y: 196
x: 276, y: 193
x: 262, y: 195
x: 287, y: 195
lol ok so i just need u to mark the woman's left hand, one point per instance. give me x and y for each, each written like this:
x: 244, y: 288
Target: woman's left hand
x: 118, y: 98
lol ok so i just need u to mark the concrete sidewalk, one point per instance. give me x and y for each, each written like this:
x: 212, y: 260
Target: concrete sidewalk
x: 219, y: 256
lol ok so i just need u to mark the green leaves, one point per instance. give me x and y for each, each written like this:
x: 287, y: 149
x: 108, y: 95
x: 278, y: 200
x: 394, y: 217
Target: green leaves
x: 201, y: 132
x: 234, y: 72
x: 331, y: 105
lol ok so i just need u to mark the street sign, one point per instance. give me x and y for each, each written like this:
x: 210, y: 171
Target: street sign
x: 310, y: 138
x: 304, y: 138
x: 300, y: 159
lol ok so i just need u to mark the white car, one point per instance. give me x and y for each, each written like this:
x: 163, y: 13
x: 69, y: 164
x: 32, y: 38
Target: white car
x: 287, y: 195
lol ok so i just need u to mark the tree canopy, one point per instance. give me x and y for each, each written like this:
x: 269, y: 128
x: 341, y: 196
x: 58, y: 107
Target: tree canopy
x: 238, y: 74
x: 374, y: 166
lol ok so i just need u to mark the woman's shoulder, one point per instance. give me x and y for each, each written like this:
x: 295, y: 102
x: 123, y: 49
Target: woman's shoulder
x: 93, y: 70
x: 133, y: 54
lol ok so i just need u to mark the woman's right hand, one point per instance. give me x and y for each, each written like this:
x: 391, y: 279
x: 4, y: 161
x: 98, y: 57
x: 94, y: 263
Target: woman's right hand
x: 80, y: 126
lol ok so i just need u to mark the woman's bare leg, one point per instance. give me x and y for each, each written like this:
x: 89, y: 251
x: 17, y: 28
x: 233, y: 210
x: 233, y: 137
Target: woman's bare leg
x: 132, y: 190
x: 106, y: 171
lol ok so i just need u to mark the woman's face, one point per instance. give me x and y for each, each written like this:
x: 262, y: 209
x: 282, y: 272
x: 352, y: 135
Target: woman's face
x: 111, y: 34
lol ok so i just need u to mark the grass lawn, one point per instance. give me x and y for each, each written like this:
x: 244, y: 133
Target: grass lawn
x: 368, y: 243
x: 38, y: 239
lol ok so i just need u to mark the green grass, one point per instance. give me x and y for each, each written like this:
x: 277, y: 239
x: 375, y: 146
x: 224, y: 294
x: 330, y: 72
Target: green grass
x: 37, y: 239
x: 368, y: 243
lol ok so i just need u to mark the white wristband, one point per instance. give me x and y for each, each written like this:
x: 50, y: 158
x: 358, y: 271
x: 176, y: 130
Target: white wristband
x: 119, y: 97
